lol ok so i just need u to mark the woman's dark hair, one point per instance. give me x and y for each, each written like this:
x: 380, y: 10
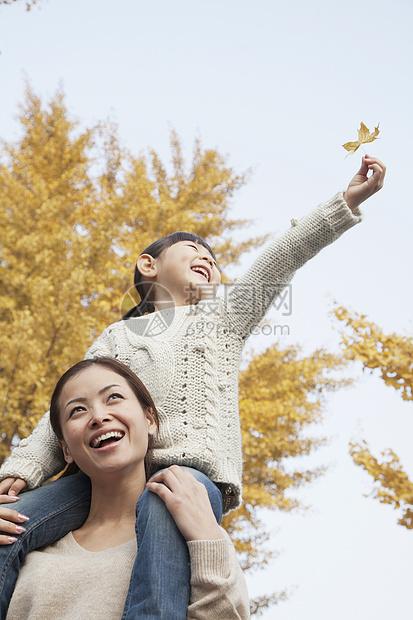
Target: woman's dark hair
x: 155, y: 249
x: 135, y: 384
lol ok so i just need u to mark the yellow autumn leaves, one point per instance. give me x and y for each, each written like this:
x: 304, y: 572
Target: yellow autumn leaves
x: 390, y: 356
x: 364, y: 136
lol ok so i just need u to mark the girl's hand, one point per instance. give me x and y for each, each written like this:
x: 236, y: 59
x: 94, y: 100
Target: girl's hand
x: 10, y: 521
x: 187, y: 500
x: 362, y: 186
x: 9, y: 488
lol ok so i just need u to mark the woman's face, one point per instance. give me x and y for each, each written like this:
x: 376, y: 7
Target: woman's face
x: 105, y: 428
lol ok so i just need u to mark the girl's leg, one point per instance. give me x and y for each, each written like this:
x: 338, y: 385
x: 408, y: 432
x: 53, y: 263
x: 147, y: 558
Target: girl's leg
x: 54, y: 510
x: 160, y: 583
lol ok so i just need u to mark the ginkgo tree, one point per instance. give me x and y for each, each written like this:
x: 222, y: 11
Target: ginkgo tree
x: 391, y: 357
x: 282, y: 394
x: 29, y: 3
x: 75, y: 209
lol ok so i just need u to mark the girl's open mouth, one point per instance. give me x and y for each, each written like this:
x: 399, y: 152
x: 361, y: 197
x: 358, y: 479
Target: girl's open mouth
x: 202, y: 271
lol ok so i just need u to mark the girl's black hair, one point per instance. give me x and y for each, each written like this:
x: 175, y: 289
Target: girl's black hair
x: 155, y: 249
x: 135, y: 384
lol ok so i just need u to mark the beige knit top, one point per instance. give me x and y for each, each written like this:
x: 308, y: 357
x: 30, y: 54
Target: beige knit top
x: 188, y: 357
x: 66, y: 582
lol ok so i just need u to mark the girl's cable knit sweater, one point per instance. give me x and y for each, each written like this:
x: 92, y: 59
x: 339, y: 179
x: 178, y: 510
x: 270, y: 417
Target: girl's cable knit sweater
x: 189, y: 356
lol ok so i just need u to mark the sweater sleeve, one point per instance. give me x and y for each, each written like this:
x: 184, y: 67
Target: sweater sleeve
x: 39, y: 457
x: 36, y: 458
x: 250, y: 298
x: 218, y: 588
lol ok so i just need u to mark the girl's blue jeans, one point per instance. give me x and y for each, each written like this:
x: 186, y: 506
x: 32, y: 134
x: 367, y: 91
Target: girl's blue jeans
x: 160, y: 581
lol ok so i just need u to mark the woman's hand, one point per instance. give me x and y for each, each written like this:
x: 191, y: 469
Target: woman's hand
x: 10, y: 521
x: 362, y: 186
x: 187, y: 501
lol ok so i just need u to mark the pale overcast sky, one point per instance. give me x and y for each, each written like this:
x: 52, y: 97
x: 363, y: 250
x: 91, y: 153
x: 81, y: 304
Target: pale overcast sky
x: 279, y: 86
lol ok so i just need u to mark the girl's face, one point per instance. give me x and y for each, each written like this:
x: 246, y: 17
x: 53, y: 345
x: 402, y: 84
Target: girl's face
x: 105, y: 428
x: 188, y: 271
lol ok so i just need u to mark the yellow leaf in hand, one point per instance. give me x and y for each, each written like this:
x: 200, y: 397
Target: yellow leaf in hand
x: 364, y: 136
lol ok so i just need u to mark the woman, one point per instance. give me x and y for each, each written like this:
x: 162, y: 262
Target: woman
x: 104, y: 418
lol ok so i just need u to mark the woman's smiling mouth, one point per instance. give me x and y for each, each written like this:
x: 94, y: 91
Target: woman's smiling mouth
x: 106, y: 438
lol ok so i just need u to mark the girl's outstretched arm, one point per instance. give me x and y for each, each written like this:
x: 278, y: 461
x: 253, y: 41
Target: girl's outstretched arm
x: 363, y: 186
x: 250, y: 298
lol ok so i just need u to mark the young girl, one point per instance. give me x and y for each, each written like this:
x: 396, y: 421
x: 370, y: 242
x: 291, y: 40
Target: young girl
x: 187, y: 352
x: 86, y: 574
